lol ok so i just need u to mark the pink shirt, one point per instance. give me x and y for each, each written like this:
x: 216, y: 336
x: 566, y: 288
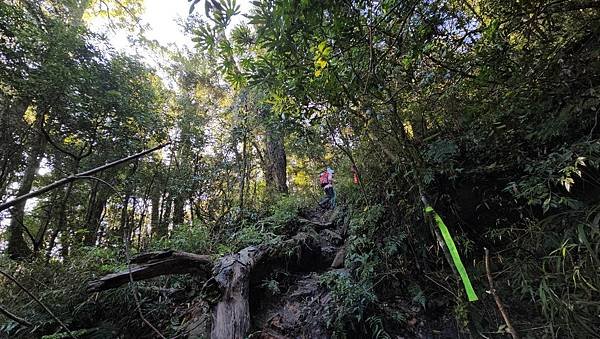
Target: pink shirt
x: 329, y: 180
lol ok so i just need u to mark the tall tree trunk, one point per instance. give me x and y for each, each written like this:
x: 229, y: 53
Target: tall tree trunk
x: 65, y: 239
x: 155, y: 212
x: 166, y: 219
x: 124, y: 222
x: 96, y: 204
x: 178, y: 210
x: 17, y: 247
x: 142, y: 221
x: 129, y: 231
x: 49, y: 216
x: 264, y: 165
x: 62, y: 221
x: 65, y: 243
x: 8, y: 124
x: 192, y: 214
x: 276, y: 161
x: 51, y: 243
x: 163, y: 225
x: 243, y: 173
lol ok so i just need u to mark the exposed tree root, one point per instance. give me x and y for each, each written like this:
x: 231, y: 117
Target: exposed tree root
x: 231, y: 275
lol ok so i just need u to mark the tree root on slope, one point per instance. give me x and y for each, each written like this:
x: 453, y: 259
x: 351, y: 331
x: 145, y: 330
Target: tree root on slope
x: 231, y: 275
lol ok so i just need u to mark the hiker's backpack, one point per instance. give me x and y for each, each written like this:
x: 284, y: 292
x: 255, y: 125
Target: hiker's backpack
x: 324, y: 179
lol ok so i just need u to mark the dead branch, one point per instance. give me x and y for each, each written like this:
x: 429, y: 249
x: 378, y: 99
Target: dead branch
x: 11, y: 278
x: 16, y: 318
x: 232, y: 275
x: 154, y: 264
x: 509, y: 326
x: 73, y: 177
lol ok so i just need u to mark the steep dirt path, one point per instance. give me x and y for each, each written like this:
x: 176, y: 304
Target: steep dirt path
x: 271, y: 290
x: 299, y: 308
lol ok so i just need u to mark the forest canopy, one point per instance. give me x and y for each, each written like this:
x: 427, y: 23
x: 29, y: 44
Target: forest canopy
x: 463, y: 135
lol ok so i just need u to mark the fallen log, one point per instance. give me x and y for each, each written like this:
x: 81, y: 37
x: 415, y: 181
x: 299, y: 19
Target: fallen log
x: 232, y: 275
x: 231, y: 315
x: 154, y: 264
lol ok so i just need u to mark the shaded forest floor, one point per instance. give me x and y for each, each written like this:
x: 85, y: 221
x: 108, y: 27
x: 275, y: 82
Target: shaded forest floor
x: 297, y: 301
x: 306, y: 284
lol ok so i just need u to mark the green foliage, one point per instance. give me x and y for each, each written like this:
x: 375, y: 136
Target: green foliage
x: 352, y: 298
x: 418, y: 297
x: 255, y: 234
x: 356, y: 293
x: 487, y: 108
x: 461, y: 314
x: 60, y: 285
x: 563, y: 280
x: 376, y: 326
x: 272, y: 286
x: 440, y: 151
x: 195, y: 238
x: 548, y: 179
x: 286, y: 209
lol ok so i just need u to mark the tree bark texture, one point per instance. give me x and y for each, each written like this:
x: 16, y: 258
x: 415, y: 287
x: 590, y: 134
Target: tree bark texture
x: 9, y: 121
x: 178, y: 209
x: 155, y: 211
x: 124, y: 220
x: 165, y: 217
x: 232, y: 276
x: 17, y: 247
x: 243, y: 171
x: 62, y: 215
x: 98, y: 199
x: 276, y: 162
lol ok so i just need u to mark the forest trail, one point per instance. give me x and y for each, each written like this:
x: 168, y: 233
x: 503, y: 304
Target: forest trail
x: 293, y: 302
x: 274, y: 291
x: 296, y: 301
x: 301, y: 311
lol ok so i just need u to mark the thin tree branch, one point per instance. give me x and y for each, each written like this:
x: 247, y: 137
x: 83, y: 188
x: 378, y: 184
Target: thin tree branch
x: 63, y: 150
x: 91, y: 177
x: 26, y: 231
x: 11, y: 278
x: 13, y: 317
x: 501, y: 308
x: 73, y: 177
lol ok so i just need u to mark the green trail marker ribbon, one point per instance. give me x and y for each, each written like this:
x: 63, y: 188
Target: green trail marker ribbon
x: 454, y: 253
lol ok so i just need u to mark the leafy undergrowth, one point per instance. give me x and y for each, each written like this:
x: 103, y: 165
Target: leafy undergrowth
x: 61, y: 285
x: 394, y: 281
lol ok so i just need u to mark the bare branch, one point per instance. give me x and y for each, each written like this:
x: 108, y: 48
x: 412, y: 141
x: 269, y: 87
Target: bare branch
x: 11, y: 278
x: 154, y: 264
x: 501, y: 308
x: 13, y: 317
x: 78, y: 176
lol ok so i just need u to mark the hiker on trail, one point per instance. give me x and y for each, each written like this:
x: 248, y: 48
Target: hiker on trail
x: 326, y: 180
x: 354, y: 171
